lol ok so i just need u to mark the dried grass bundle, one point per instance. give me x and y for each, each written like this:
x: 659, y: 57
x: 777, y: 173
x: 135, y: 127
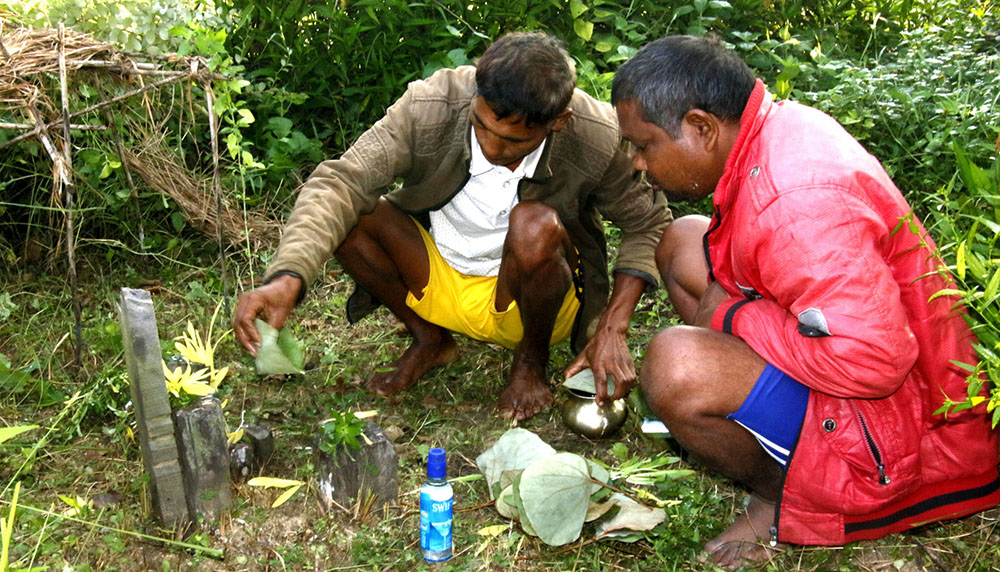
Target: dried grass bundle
x: 159, y: 169
x: 29, y: 52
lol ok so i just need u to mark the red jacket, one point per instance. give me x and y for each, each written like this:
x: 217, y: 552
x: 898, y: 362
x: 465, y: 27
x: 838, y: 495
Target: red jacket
x: 829, y: 276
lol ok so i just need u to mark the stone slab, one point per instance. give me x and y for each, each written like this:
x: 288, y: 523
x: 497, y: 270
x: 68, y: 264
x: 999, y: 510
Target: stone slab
x: 150, y: 402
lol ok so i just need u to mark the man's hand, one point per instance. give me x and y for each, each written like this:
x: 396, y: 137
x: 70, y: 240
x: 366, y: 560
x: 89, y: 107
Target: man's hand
x: 607, y: 353
x: 273, y: 302
x: 714, y: 296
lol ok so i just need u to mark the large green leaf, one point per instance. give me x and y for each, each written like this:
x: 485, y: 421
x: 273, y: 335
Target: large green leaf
x: 279, y: 352
x: 513, y: 451
x: 555, y: 494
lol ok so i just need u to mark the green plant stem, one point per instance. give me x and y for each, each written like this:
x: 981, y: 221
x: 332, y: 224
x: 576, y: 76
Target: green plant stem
x: 216, y: 553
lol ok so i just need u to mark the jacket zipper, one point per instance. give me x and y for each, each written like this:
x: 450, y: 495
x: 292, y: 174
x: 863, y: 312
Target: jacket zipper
x: 883, y: 479
x: 781, y: 491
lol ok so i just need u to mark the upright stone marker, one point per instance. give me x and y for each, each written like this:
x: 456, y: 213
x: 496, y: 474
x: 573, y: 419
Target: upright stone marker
x: 204, y: 453
x: 152, y: 408
x: 368, y: 473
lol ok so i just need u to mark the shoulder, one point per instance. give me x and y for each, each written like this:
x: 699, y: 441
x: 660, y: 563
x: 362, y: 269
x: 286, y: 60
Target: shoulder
x: 445, y: 85
x: 799, y: 147
x: 591, y: 137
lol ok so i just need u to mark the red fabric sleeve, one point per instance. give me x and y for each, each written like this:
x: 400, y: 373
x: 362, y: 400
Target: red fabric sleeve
x: 822, y: 248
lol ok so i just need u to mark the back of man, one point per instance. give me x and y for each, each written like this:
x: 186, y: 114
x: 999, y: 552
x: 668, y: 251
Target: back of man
x: 822, y: 232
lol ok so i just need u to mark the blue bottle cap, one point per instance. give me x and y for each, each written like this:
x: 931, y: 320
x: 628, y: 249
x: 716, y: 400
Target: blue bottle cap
x: 437, y: 466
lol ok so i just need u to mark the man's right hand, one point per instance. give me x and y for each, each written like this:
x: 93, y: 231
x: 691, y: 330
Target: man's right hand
x: 272, y: 302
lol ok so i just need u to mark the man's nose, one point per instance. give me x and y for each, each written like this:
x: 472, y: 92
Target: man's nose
x: 638, y: 162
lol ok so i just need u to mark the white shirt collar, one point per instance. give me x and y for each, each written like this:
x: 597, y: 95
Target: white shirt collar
x: 479, y: 165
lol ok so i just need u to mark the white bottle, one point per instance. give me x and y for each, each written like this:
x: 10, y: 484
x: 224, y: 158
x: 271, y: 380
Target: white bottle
x: 435, y: 509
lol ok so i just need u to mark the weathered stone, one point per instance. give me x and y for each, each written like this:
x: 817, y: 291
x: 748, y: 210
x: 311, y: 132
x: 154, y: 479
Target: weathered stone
x: 204, y: 454
x: 240, y: 461
x: 262, y: 441
x: 152, y: 407
x: 367, y: 472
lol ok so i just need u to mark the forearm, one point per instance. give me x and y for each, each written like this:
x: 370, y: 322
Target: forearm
x: 625, y: 297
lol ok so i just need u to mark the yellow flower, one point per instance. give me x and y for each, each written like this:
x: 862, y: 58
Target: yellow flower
x: 194, y: 349
x: 186, y: 381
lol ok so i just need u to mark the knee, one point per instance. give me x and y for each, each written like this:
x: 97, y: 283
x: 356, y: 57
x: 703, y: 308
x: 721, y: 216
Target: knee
x: 682, y: 234
x: 669, y: 377
x: 536, y: 233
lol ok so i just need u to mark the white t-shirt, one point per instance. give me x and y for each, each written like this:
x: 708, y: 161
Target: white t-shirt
x: 469, y: 231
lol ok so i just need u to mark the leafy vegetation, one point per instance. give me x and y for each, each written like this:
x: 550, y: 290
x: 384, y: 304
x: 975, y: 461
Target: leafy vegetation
x: 916, y: 81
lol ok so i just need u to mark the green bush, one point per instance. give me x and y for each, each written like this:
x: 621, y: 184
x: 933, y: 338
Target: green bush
x: 966, y: 222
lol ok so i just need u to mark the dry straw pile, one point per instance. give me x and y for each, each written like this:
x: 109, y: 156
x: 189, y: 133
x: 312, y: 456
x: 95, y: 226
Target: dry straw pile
x: 30, y: 92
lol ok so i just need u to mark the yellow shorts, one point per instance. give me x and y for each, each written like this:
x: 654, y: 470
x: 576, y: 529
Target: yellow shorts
x: 467, y: 304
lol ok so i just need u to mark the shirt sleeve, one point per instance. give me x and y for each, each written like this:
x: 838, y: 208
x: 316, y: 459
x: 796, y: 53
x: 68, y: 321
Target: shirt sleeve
x: 627, y: 200
x: 340, y: 190
x: 832, y: 316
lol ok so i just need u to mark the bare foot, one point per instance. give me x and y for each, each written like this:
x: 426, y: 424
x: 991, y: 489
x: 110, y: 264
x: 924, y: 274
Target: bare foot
x: 745, y: 540
x: 526, y: 393
x: 418, y: 359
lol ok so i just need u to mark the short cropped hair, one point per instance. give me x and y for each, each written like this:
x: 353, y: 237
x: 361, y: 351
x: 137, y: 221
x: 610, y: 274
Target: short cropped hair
x: 675, y: 74
x: 526, y: 75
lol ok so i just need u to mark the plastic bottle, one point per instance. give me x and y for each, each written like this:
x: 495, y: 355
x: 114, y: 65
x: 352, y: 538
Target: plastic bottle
x: 435, y: 509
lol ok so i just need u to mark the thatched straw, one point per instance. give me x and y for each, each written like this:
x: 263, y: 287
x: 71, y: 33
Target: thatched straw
x: 157, y: 167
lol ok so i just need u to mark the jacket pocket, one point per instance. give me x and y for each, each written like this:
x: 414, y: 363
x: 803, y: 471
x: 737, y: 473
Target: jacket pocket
x: 875, y: 447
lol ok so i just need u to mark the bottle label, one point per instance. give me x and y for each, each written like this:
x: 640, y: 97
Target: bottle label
x: 435, y: 523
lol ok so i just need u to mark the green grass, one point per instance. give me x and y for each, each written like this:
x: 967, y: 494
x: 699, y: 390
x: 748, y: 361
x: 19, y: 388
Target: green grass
x: 91, y: 450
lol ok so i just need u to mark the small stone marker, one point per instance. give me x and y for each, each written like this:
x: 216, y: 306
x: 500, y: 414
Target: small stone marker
x: 251, y: 454
x: 262, y: 441
x: 204, y: 454
x: 348, y: 474
x: 240, y: 462
x: 152, y: 408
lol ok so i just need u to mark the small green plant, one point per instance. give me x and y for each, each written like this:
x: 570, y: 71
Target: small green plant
x: 342, y: 431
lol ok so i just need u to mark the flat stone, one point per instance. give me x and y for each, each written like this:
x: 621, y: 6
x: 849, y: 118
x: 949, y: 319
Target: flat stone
x: 204, y: 453
x: 369, y: 473
x: 150, y: 402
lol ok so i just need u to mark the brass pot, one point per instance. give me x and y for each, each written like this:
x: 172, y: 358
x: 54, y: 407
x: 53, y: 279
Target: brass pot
x: 582, y: 415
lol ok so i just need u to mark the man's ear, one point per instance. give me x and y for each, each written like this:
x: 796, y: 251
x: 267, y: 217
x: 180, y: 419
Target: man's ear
x: 703, y: 127
x: 560, y: 121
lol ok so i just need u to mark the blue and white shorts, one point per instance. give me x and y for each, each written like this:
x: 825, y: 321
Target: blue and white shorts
x: 774, y: 412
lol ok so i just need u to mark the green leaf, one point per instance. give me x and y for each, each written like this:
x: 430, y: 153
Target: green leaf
x: 555, y: 494
x: 991, y: 288
x: 946, y: 292
x: 577, y: 7
x: 279, y: 353
x: 583, y: 29
x: 8, y: 433
x: 506, y: 504
x: 513, y: 451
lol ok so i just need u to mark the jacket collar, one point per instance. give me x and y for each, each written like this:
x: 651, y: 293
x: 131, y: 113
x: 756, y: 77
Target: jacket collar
x: 757, y: 108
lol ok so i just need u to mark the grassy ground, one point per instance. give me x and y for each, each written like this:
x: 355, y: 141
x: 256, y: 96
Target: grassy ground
x: 87, y: 450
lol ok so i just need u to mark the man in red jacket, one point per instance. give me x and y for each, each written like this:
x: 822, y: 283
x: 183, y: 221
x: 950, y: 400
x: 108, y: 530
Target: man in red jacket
x: 813, y: 359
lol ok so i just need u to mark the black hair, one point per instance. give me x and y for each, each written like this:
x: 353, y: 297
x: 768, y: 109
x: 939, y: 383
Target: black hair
x: 675, y: 74
x: 526, y: 75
